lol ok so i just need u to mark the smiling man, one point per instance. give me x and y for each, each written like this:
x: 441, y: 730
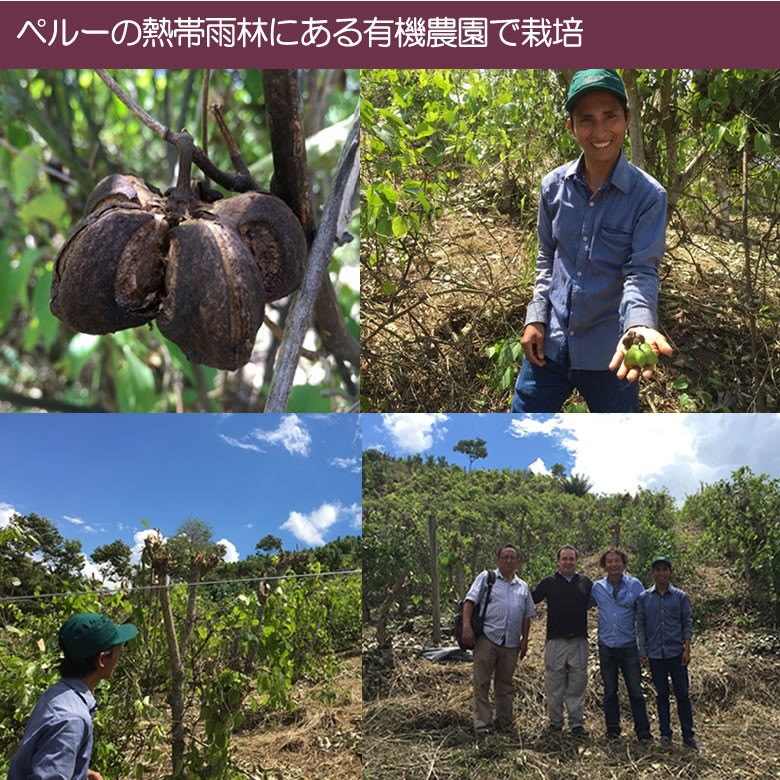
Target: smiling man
x: 505, y: 640
x: 566, y: 643
x: 601, y: 233
x: 665, y: 627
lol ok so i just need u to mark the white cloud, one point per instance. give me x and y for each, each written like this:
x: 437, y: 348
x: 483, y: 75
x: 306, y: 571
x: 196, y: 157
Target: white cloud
x: 291, y: 434
x: 231, y: 553
x: 679, y: 452
x: 538, y: 467
x: 346, y: 463
x: 6, y: 513
x: 243, y: 445
x: 92, y: 571
x: 356, y: 510
x: 77, y: 521
x: 311, y: 528
x: 414, y: 433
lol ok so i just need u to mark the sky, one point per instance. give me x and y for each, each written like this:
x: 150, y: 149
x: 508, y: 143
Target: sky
x: 618, y: 453
x: 97, y: 477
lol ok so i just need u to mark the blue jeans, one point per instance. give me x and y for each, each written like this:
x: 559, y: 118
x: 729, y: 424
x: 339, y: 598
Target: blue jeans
x: 662, y: 669
x: 546, y: 388
x: 625, y: 659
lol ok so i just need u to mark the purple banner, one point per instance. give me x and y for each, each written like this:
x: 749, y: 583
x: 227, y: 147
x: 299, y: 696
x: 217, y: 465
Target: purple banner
x: 390, y: 34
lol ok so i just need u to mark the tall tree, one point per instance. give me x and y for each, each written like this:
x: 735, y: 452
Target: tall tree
x: 473, y: 449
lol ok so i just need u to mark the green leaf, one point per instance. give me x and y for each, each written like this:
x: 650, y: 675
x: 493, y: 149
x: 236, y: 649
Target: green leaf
x: 763, y: 143
x: 307, y: 398
x: 389, y: 288
x: 23, y: 173
x: 48, y: 206
x: 6, y: 293
x: 80, y: 349
x: 400, y: 226
x: 681, y: 383
x: 48, y: 323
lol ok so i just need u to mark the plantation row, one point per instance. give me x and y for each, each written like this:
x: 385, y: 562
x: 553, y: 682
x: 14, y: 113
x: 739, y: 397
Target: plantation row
x: 412, y: 507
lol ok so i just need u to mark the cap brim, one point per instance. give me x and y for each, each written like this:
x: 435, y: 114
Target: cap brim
x: 125, y: 633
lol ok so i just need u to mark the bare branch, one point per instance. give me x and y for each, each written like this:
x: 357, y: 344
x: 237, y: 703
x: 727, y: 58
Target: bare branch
x: 331, y: 231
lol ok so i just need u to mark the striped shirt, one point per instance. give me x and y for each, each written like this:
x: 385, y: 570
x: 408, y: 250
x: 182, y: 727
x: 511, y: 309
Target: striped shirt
x: 509, y: 605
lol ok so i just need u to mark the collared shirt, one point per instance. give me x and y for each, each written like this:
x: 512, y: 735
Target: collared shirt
x: 567, y: 604
x: 509, y: 605
x: 57, y: 742
x: 617, y: 613
x: 664, y: 623
x: 597, y: 268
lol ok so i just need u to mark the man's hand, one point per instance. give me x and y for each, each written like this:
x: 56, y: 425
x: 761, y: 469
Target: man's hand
x: 686, y: 656
x: 644, y: 660
x: 532, y: 342
x: 93, y: 775
x: 468, y: 635
x: 652, y: 337
x: 523, y: 647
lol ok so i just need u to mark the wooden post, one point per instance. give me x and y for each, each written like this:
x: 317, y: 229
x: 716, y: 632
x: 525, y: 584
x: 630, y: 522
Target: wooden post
x: 434, y: 548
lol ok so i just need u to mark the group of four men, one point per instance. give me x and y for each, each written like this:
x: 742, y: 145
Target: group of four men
x: 636, y: 626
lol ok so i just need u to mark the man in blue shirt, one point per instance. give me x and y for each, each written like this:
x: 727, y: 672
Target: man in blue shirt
x: 601, y: 238
x: 616, y: 597
x: 505, y: 638
x: 57, y: 742
x: 665, y: 627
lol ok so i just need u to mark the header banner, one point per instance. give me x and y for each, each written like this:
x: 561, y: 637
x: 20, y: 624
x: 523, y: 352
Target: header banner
x: 389, y: 34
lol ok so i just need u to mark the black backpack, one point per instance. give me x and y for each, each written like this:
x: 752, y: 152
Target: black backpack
x: 477, y: 614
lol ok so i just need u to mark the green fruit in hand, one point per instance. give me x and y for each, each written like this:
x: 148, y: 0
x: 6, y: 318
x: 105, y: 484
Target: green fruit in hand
x: 633, y: 357
x: 647, y: 356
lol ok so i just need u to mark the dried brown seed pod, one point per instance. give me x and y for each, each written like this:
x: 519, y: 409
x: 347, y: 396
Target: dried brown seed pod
x: 109, y: 273
x: 273, y: 234
x: 215, y: 295
x: 124, y: 188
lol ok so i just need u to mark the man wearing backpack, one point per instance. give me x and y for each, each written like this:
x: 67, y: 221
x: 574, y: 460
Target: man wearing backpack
x: 507, y: 622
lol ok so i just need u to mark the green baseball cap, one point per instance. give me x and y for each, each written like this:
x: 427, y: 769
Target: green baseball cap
x: 597, y: 78
x: 661, y: 559
x: 88, y: 634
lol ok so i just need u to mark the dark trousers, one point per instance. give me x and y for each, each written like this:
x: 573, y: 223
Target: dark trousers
x: 625, y: 659
x: 546, y: 388
x: 662, y: 669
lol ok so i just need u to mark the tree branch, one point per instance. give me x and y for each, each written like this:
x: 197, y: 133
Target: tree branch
x: 240, y: 183
x: 332, y: 230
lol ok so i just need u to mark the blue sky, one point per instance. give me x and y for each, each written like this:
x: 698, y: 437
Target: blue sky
x: 96, y: 477
x: 618, y: 453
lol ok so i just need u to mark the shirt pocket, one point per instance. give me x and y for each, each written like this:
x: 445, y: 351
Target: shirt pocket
x: 614, y: 245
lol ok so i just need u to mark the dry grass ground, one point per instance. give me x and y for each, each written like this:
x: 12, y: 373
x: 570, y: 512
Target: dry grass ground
x: 320, y: 740
x: 417, y: 722
x: 465, y: 286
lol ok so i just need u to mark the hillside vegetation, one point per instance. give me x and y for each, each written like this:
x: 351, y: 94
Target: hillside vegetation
x: 417, y: 714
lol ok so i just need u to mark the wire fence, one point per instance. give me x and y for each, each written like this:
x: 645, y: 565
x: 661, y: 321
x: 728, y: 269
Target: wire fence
x: 203, y: 583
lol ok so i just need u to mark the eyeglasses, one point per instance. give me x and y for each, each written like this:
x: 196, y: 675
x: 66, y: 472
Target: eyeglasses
x: 507, y: 558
